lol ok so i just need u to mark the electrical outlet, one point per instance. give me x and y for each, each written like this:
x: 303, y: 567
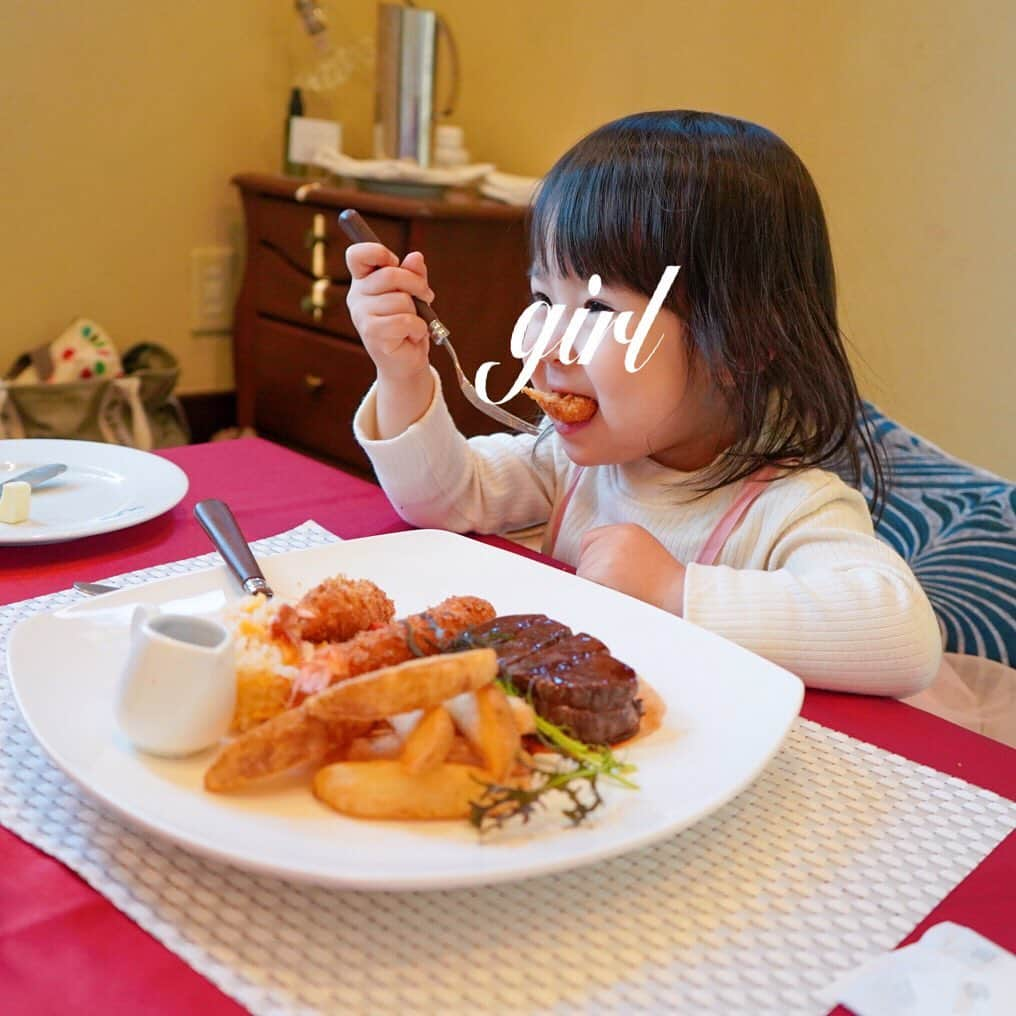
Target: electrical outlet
x: 211, y: 295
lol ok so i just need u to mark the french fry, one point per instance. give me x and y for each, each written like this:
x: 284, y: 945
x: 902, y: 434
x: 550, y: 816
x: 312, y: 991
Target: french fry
x: 384, y: 790
x: 464, y: 754
x: 465, y: 714
x: 290, y: 739
x: 415, y: 684
x: 405, y: 723
x: 522, y: 711
x: 387, y: 745
x: 428, y: 745
x: 499, y: 734
x: 466, y: 717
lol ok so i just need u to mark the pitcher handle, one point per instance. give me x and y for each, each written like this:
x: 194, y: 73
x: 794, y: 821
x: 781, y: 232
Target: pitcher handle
x: 453, y: 49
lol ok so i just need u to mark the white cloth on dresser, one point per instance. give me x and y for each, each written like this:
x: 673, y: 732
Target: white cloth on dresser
x: 802, y: 580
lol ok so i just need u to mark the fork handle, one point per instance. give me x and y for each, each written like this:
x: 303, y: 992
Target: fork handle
x: 355, y: 227
x: 219, y: 523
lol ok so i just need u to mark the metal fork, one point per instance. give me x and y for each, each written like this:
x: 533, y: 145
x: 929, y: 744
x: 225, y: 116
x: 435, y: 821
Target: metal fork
x: 358, y: 231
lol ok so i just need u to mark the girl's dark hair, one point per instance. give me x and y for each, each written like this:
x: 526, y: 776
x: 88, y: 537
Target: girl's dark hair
x: 732, y: 204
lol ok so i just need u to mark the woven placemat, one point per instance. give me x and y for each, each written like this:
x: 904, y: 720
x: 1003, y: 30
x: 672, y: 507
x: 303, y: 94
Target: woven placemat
x: 836, y: 852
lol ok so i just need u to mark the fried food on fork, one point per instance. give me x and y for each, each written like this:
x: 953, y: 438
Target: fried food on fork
x: 417, y: 635
x: 568, y: 408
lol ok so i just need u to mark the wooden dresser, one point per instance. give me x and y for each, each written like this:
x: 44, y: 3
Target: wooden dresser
x: 301, y: 369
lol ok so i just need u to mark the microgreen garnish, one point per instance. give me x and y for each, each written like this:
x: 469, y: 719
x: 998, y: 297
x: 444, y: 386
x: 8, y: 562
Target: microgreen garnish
x: 501, y: 802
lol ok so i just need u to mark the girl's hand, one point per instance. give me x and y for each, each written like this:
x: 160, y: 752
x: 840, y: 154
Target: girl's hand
x: 629, y: 559
x: 380, y: 303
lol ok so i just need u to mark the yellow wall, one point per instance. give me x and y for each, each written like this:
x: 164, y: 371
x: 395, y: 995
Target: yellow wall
x: 121, y: 124
x: 129, y: 118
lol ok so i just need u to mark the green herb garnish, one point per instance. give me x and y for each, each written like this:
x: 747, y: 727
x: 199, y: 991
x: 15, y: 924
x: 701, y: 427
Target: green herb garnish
x: 500, y: 802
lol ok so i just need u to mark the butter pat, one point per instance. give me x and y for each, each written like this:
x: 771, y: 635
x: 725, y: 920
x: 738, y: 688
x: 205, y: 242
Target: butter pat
x: 14, y: 501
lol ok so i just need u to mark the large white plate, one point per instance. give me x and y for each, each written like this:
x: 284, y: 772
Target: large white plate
x: 727, y: 714
x: 106, y: 487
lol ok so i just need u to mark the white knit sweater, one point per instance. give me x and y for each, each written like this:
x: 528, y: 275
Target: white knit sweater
x: 802, y: 580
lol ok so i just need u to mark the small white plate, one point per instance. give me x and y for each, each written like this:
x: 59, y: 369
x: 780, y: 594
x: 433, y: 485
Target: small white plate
x: 106, y: 487
x: 728, y: 711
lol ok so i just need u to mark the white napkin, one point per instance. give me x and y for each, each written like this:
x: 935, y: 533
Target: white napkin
x: 951, y: 969
x: 512, y: 190
x: 398, y: 169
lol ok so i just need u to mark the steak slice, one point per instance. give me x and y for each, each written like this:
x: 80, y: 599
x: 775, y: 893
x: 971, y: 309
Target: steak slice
x: 571, y: 679
x: 515, y: 636
x: 606, y: 727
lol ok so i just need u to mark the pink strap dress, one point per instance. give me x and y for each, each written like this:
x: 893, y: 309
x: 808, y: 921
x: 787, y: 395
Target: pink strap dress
x: 754, y: 485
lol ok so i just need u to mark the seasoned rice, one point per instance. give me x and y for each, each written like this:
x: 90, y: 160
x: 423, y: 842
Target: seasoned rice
x: 265, y: 666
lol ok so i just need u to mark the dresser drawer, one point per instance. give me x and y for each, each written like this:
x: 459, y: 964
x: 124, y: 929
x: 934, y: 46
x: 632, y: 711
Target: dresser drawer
x: 300, y: 379
x: 286, y: 227
x: 307, y: 389
x: 282, y: 291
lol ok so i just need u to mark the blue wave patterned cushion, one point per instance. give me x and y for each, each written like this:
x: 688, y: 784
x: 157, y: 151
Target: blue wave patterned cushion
x: 955, y: 525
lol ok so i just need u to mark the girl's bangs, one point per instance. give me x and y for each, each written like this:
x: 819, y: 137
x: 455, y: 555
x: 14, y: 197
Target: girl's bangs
x: 594, y: 216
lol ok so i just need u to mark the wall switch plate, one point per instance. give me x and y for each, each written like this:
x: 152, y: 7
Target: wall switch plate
x: 211, y: 290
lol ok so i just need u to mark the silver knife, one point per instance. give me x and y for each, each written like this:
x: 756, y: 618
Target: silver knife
x: 95, y: 588
x: 36, y: 476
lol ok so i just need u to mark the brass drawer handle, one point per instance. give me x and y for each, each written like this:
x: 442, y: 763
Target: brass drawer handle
x: 315, y: 302
x: 313, y: 382
x: 318, y: 233
x: 318, y: 259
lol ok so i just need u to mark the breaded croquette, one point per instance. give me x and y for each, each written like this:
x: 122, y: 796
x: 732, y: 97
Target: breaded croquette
x: 563, y: 408
x: 333, y: 611
x: 417, y: 635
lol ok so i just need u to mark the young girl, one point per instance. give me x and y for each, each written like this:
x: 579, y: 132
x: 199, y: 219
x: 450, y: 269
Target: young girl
x: 697, y: 484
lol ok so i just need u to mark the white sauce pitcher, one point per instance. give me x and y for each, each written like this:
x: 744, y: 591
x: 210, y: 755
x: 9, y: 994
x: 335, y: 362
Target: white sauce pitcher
x: 177, y: 691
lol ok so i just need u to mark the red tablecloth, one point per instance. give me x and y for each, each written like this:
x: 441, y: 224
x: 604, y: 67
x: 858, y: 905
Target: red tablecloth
x: 64, y: 948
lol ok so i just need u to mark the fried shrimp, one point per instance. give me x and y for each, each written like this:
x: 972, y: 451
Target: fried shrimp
x: 417, y: 635
x: 333, y: 611
x: 563, y: 408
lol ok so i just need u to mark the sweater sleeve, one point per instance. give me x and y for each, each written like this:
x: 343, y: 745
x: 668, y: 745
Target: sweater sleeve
x: 836, y: 605
x: 435, y: 477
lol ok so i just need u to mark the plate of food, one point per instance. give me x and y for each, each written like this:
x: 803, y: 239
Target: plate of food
x: 105, y: 487
x: 416, y: 710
